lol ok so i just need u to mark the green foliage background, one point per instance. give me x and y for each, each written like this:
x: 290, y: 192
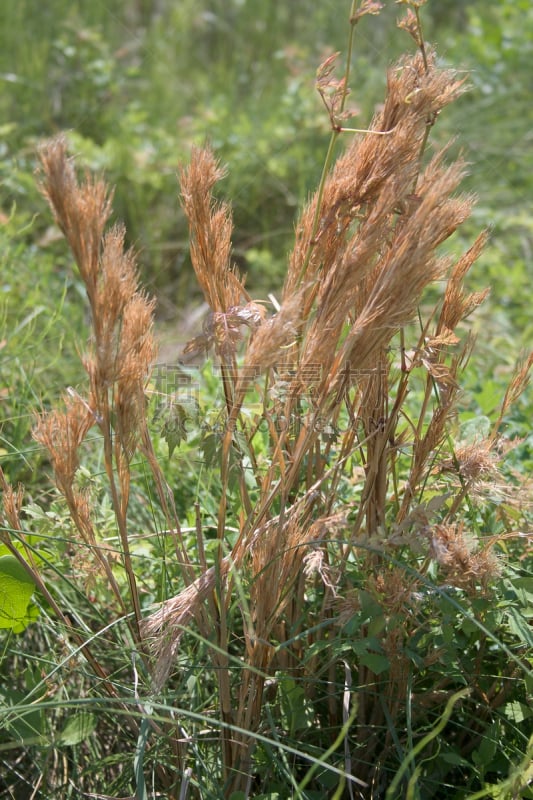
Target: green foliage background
x: 135, y: 84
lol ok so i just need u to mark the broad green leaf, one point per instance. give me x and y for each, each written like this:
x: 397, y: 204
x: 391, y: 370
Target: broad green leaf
x: 454, y: 758
x: 517, y: 712
x: 16, y: 589
x: 210, y: 446
x: 297, y: 709
x: 78, y: 728
x: 376, y: 625
x: 30, y: 725
x: 269, y: 796
x: 523, y: 588
x: 483, y: 756
x: 519, y: 626
x: 375, y: 662
x: 176, y: 420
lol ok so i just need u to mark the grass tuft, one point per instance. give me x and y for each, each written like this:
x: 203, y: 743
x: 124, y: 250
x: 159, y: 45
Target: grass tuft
x: 320, y: 622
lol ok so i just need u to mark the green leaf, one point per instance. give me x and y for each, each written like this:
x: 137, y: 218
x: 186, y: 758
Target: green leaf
x: 174, y: 429
x: 269, y: 796
x: 517, y: 712
x: 375, y: 662
x: 522, y: 587
x: 519, y: 626
x: 454, y: 758
x: 298, y: 711
x: 78, y: 728
x: 30, y: 725
x: 483, y: 756
x: 376, y: 625
x: 210, y: 446
x: 16, y: 589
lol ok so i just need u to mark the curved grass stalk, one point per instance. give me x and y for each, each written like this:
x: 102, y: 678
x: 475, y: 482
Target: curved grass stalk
x: 443, y: 721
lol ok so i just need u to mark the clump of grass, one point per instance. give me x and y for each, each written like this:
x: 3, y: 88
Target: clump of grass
x: 367, y: 248
x: 353, y: 504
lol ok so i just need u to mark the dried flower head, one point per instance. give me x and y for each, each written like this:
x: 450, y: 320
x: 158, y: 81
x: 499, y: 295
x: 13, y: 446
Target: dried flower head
x: 222, y: 330
x: 81, y: 211
x: 62, y: 433
x: 464, y: 564
x: 366, y: 7
x: 210, y: 227
x: 122, y: 315
x: 12, y: 505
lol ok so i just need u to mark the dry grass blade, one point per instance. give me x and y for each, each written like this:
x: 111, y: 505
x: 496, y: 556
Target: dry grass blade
x: 119, y: 363
x: 81, y: 212
x: 517, y: 386
x: 210, y: 226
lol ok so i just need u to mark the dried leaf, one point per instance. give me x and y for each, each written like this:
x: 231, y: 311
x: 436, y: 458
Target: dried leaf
x: 409, y: 23
x: 200, y: 344
x: 325, y: 70
x: 367, y: 7
x: 444, y: 339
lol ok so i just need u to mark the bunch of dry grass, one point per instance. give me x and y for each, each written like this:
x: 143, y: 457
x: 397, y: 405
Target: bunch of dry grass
x: 118, y: 364
x: 367, y: 248
x: 350, y: 469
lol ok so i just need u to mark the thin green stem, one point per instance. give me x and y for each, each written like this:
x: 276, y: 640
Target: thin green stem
x: 421, y: 35
x: 443, y: 721
x: 335, y: 133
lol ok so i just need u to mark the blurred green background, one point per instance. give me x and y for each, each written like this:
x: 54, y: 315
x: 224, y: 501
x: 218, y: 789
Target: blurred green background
x: 136, y: 83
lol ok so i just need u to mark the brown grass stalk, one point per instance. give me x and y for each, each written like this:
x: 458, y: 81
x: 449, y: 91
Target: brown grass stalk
x: 117, y: 365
